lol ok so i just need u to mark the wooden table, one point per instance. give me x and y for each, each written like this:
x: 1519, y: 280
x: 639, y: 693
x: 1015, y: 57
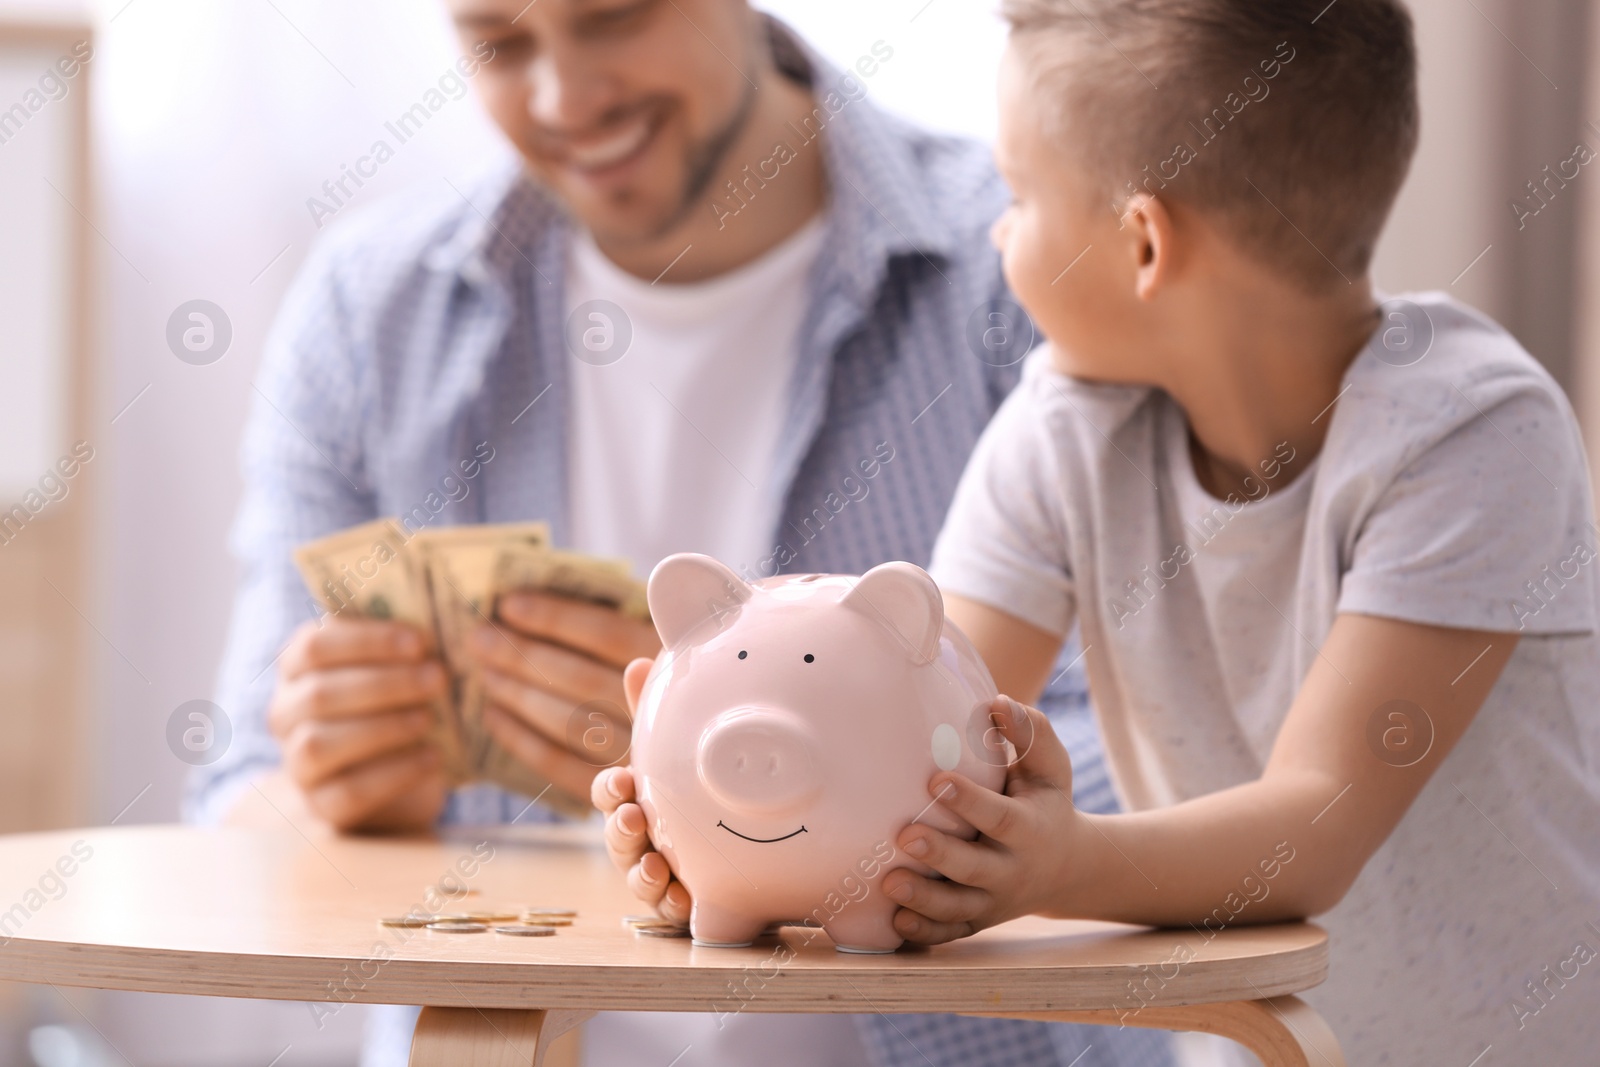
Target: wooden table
x: 291, y: 914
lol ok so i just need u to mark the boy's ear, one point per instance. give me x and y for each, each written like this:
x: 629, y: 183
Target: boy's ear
x: 1153, y: 243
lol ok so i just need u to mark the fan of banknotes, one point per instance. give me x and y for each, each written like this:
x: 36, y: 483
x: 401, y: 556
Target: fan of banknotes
x: 446, y: 581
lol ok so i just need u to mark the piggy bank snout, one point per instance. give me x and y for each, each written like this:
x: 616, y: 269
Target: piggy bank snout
x: 760, y: 760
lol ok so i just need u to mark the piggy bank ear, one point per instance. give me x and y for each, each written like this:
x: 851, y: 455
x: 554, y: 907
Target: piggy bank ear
x: 903, y: 599
x: 690, y: 595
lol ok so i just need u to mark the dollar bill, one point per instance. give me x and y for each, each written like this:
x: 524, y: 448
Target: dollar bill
x: 609, y: 582
x: 447, y: 582
x: 459, y: 563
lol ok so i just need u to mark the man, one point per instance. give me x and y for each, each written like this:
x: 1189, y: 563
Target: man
x: 719, y: 303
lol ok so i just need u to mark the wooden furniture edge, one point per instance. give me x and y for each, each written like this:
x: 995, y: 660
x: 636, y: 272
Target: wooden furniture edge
x: 17, y: 27
x: 66, y: 530
x: 1284, y: 1031
x: 475, y: 1037
x: 644, y: 988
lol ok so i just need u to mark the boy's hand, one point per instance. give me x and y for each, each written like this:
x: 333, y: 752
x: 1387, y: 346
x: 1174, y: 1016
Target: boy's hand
x: 627, y: 842
x: 1019, y: 862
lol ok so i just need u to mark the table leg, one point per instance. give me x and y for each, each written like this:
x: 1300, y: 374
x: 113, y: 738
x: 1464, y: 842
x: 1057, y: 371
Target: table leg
x: 1282, y: 1031
x: 492, y: 1037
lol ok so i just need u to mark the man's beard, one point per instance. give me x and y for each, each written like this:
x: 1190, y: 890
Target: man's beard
x: 704, y: 160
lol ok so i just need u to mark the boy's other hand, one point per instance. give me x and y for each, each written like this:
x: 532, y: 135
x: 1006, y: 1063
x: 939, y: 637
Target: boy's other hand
x: 547, y: 657
x: 352, y: 710
x: 1023, y: 852
x: 627, y: 841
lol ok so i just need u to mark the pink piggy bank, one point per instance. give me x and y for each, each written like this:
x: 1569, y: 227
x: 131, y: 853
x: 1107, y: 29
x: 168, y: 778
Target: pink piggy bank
x: 787, y: 733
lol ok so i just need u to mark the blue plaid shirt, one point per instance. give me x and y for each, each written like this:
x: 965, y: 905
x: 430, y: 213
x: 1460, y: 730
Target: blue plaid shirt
x: 433, y: 322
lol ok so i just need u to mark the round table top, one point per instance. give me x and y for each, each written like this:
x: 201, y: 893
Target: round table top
x: 292, y: 914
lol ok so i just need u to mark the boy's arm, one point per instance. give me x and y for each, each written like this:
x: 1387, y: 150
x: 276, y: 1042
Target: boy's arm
x: 1019, y: 655
x: 1338, y: 781
x: 1382, y: 706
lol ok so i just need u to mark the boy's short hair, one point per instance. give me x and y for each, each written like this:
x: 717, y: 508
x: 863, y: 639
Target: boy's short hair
x: 1291, y: 122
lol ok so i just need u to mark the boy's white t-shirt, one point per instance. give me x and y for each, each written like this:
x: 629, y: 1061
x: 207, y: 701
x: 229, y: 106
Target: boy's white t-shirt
x: 1451, y: 490
x: 672, y: 447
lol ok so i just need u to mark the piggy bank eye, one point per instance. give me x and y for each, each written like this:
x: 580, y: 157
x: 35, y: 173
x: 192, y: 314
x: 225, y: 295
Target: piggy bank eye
x: 743, y: 653
x: 810, y: 658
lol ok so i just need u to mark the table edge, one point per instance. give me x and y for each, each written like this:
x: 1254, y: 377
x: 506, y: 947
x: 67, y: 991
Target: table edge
x: 768, y: 988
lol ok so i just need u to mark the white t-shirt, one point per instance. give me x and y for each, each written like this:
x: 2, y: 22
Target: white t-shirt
x: 678, y: 401
x: 677, y: 404
x: 1452, y: 491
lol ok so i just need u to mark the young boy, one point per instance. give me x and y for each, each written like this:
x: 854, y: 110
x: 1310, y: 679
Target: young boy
x: 1333, y: 560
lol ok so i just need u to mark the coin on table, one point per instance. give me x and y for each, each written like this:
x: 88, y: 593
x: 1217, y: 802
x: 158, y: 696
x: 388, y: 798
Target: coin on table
x: 557, y: 913
x: 492, y: 916
x: 661, y: 931
x: 526, y: 931
x: 457, y: 927
x: 547, y: 920
x: 645, y: 920
x: 410, y: 921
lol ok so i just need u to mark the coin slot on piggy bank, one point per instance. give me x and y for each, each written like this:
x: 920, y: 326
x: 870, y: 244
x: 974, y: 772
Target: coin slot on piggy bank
x: 786, y: 735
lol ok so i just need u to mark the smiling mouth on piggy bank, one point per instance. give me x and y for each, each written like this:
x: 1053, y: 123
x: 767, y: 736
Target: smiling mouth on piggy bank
x: 759, y: 840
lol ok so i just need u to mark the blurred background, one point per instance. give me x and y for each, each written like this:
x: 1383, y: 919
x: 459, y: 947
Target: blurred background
x: 175, y: 165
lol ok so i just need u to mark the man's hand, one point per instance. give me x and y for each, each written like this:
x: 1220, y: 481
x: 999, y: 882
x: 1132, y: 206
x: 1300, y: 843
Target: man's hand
x: 353, y: 710
x: 1024, y: 848
x: 549, y: 657
x: 626, y: 840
